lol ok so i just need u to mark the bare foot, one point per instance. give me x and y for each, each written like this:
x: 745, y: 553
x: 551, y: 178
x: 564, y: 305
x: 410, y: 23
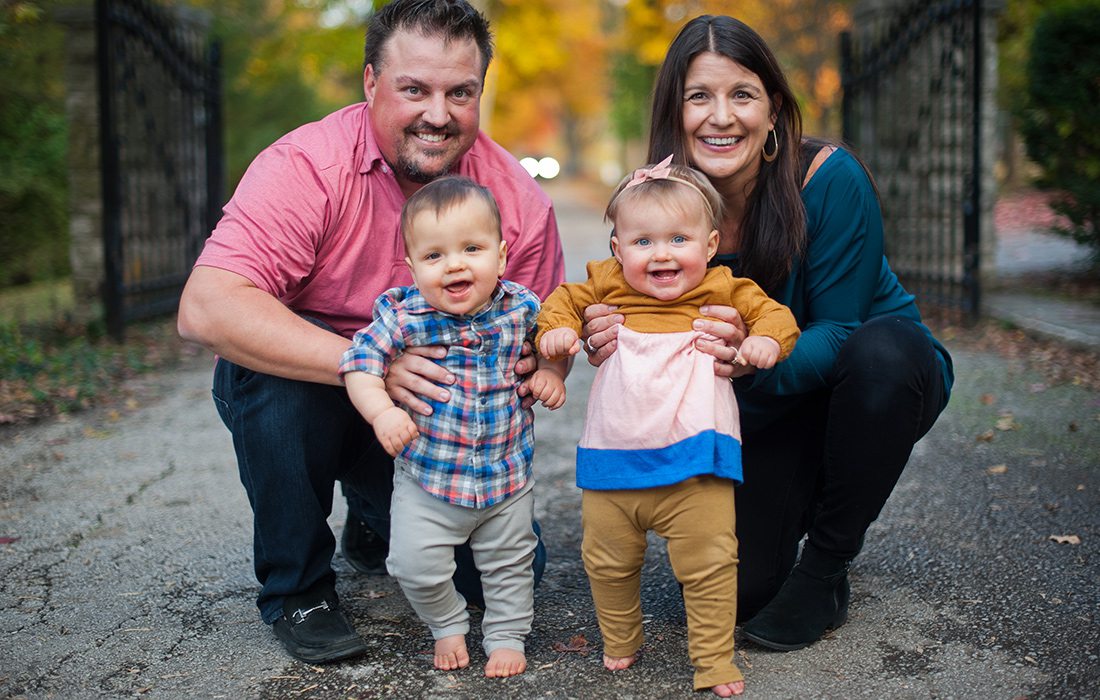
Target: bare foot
x: 450, y: 653
x: 727, y: 690
x: 618, y: 663
x: 505, y: 662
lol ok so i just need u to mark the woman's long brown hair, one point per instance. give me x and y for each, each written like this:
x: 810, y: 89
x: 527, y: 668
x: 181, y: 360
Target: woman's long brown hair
x: 773, y: 230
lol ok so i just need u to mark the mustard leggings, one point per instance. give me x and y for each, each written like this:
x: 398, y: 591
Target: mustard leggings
x: 696, y: 517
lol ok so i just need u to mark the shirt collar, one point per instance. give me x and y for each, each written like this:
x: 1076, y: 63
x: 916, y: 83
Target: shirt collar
x: 372, y: 157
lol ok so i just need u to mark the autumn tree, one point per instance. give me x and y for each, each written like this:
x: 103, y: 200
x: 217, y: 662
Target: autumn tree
x: 284, y: 63
x: 33, y: 141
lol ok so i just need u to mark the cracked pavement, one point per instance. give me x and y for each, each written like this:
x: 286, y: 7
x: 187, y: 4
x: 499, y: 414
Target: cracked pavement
x: 125, y: 567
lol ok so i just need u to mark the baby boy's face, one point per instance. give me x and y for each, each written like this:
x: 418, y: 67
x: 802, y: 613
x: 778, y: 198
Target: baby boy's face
x: 456, y: 257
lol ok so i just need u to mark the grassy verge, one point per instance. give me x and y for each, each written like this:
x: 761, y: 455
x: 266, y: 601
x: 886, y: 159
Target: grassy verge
x: 51, y: 366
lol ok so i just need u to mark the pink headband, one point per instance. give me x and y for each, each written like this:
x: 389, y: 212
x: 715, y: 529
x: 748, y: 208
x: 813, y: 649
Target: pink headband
x: 663, y: 171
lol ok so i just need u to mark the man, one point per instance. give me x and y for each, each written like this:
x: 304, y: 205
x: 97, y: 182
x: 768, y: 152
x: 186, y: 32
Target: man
x: 308, y: 241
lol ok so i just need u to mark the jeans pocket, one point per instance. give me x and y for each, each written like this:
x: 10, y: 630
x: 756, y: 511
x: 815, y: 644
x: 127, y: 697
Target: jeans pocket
x: 224, y: 411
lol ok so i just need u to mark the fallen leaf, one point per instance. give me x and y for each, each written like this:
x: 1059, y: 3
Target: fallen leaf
x: 1007, y: 422
x: 987, y: 436
x: 1037, y: 388
x: 987, y: 399
x: 8, y: 540
x: 997, y: 469
x: 745, y: 661
x: 576, y: 644
x: 1073, y: 427
x: 1065, y: 539
x: 371, y: 595
x: 1080, y: 487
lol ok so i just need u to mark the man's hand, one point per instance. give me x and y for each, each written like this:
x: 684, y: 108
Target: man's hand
x: 601, y: 332
x: 414, y: 374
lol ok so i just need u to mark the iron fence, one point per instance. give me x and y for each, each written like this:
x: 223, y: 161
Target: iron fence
x: 911, y: 108
x: 160, y: 135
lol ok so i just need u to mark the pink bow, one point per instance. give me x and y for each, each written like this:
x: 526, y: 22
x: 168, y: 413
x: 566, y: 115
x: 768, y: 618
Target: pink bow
x: 657, y: 172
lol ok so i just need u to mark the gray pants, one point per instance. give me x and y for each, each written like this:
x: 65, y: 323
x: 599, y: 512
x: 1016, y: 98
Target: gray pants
x: 424, y: 532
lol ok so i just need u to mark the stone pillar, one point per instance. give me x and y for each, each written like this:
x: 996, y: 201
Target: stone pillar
x: 891, y: 125
x: 993, y: 142
x: 85, y: 190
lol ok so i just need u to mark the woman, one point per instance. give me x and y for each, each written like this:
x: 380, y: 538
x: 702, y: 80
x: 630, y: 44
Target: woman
x: 828, y: 431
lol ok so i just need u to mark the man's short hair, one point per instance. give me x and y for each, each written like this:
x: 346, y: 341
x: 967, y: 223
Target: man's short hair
x: 453, y: 20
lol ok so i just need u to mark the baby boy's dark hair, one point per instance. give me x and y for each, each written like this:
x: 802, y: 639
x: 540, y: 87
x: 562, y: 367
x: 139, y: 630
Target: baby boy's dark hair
x: 442, y: 194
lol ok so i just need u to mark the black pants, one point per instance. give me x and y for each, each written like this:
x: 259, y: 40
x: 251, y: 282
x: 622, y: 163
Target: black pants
x: 825, y: 468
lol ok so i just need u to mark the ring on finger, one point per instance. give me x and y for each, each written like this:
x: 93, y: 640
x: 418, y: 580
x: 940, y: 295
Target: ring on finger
x: 588, y: 347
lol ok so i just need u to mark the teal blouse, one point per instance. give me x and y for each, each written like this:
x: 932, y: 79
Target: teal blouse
x: 843, y: 281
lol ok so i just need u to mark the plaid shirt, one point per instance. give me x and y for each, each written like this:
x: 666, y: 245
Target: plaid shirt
x: 474, y: 450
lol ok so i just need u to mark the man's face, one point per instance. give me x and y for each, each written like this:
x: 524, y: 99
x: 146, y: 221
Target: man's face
x: 424, y: 104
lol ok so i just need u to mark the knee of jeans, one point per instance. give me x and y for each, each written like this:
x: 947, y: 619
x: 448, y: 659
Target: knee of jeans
x: 884, y: 350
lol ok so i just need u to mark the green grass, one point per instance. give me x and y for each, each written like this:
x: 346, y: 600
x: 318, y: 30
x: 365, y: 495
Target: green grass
x: 37, y: 303
x: 50, y: 364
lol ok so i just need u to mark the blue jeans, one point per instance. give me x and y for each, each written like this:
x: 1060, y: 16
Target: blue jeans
x: 294, y: 440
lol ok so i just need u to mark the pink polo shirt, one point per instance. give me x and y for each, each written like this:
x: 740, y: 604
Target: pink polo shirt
x: 315, y: 221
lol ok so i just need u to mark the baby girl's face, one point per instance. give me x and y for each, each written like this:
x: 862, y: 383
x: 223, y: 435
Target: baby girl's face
x: 663, y: 247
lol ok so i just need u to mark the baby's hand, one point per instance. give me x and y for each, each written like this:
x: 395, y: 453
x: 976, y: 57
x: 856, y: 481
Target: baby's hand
x: 759, y: 351
x: 548, y: 387
x: 559, y: 342
x: 394, y: 429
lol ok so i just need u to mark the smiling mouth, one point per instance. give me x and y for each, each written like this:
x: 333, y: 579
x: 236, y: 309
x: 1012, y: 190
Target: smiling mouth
x: 664, y: 275
x: 431, y: 135
x: 457, y: 288
x: 721, y: 140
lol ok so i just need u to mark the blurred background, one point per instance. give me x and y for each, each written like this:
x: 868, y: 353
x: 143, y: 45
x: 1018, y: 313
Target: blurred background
x: 571, y: 80
x: 568, y: 93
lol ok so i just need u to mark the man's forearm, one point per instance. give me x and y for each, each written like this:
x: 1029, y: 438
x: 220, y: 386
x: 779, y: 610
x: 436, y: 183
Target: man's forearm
x: 249, y: 327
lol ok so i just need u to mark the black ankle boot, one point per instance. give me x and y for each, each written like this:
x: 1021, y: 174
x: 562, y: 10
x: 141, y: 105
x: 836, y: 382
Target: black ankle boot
x: 814, y: 598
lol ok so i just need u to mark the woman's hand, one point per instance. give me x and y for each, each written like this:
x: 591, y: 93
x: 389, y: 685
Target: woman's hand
x: 600, y: 333
x: 414, y: 374
x: 730, y: 331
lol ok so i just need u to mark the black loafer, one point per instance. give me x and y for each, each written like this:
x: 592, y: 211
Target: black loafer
x: 315, y: 631
x: 364, y: 548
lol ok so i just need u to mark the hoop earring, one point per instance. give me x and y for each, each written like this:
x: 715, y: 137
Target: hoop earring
x: 775, y: 152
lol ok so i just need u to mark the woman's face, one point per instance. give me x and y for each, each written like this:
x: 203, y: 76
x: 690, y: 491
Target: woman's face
x: 727, y: 116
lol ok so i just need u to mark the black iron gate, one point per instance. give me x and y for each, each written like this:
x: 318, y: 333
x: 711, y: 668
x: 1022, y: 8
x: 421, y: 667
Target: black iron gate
x: 912, y: 96
x: 160, y: 135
